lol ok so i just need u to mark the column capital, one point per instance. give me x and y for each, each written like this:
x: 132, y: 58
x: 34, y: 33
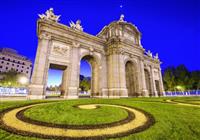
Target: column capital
x: 45, y: 36
x: 76, y: 44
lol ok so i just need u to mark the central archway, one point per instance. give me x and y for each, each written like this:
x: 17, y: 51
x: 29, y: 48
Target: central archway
x: 131, y: 79
x: 94, y: 88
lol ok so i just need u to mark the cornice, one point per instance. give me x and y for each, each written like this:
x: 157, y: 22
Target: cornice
x: 64, y: 29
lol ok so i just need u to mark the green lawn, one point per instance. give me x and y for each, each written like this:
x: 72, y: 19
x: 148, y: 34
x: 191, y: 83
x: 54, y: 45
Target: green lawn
x: 173, y: 122
x: 65, y: 113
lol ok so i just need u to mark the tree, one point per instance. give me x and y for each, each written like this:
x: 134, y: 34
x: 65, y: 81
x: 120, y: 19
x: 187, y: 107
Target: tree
x: 179, y: 78
x: 182, y: 76
x: 194, y: 80
x: 169, y: 79
x: 85, y: 84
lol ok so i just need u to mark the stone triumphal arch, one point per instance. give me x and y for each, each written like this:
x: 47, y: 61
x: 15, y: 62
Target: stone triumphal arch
x: 120, y: 65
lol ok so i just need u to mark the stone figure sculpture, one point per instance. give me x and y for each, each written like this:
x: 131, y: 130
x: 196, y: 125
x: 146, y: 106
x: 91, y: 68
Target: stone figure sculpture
x: 49, y: 15
x: 156, y: 56
x: 149, y: 53
x: 121, y: 18
x: 76, y: 26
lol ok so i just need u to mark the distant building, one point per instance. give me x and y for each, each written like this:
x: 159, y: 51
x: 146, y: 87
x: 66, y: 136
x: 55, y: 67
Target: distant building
x: 10, y: 59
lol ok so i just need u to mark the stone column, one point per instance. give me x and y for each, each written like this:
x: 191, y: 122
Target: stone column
x: 103, y: 78
x: 37, y: 87
x: 144, y: 88
x: 116, y: 76
x: 153, y: 82
x: 161, y: 83
x: 122, y: 78
x: 64, y: 83
x: 95, y: 79
x: 112, y: 75
x: 73, y: 87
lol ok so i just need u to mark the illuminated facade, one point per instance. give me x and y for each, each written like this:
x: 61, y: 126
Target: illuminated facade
x: 120, y: 65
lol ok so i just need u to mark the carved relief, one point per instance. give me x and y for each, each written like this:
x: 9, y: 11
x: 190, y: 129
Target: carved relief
x: 130, y: 37
x: 60, y: 49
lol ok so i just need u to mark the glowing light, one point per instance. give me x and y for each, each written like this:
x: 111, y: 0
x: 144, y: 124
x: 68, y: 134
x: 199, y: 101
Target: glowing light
x: 181, y: 88
x: 121, y: 6
x: 9, y: 83
x: 23, y: 80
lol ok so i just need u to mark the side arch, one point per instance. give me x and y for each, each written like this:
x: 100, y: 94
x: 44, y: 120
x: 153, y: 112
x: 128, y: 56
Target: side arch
x: 131, y: 75
x: 95, y: 63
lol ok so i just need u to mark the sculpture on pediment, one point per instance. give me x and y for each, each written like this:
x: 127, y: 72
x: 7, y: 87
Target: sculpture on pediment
x: 156, y: 56
x: 76, y: 26
x: 49, y: 15
x: 121, y: 18
x: 149, y: 53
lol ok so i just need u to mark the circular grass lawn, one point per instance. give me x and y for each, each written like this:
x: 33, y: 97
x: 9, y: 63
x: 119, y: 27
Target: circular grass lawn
x: 62, y: 113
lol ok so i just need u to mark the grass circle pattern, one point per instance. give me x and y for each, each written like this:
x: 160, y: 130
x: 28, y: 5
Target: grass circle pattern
x: 58, y: 113
x: 141, y: 121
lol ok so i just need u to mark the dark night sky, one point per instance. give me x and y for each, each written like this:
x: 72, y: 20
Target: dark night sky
x: 169, y: 27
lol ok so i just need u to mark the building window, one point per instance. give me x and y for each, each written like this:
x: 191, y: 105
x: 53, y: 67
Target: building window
x: 17, y: 65
x: 16, y: 69
x: 27, y: 67
x: 12, y: 64
x: 7, y: 63
x: 14, y: 61
x: 26, y: 71
x: 3, y: 58
x: 18, y: 62
x: 23, y: 63
x: 30, y: 65
x: 21, y: 70
x: 1, y: 67
x: 6, y: 68
x: 2, y: 62
x: 8, y: 59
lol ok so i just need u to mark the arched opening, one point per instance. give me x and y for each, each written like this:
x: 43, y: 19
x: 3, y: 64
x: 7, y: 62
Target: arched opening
x: 56, y: 80
x: 89, y: 77
x: 148, y: 82
x: 131, y: 78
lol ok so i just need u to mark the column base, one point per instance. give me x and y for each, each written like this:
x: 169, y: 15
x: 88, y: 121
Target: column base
x: 104, y: 92
x: 36, y: 92
x: 72, y: 93
x: 114, y: 97
x: 117, y: 92
x: 105, y: 97
x: 70, y: 97
x: 35, y: 97
x: 155, y: 94
x: 145, y: 93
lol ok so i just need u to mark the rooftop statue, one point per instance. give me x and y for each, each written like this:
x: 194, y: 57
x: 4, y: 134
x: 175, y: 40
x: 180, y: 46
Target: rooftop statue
x: 76, y: 26
x: 121, y: 18
x: 49, y: 15
x: 156, y: 56
x: 149, y: 53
